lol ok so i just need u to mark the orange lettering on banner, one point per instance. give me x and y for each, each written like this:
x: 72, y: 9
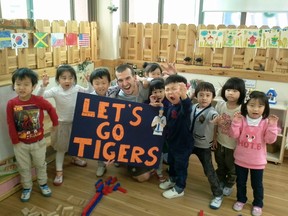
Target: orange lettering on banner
x: 82, y: 142
x: 118, y: 136
x: 123, y: 152
x: 85, y: 110
x: 150, y: 153
x: 107, y: 156
x: 138, y: 117
x: 97, y: 149
x: 99, y: 129
x: 102, y: 110
x: 118, y: 107
x: 136, y: 152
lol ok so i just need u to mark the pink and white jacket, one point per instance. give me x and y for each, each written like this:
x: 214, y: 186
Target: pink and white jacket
x: 250, y: 151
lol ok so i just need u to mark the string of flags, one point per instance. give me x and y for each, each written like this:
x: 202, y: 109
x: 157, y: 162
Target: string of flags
x: 41, y: 40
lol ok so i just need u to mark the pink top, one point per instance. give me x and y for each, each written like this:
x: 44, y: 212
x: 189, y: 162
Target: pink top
x: 250, y: 151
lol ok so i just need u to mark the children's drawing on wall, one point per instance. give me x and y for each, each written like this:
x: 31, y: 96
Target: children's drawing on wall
x: 253, y: 38
x: 19, y: 40
x: 159, y: 122
x: 211, y: 38
x: 283, y: 41
x: 233, y: 38
x: 270, y: 38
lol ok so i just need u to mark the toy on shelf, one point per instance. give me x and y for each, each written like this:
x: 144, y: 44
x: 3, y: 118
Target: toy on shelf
x: 271, y: 94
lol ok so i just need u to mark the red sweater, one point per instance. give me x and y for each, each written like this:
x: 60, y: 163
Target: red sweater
x: 25, y: 119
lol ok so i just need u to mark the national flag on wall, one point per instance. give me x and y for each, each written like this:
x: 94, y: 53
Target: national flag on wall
x: 57, y: 39
x: 5, y: 39
x: 84, y: 40
x: 19, y: 40
x: 71, y: 39
x: 40, y: 39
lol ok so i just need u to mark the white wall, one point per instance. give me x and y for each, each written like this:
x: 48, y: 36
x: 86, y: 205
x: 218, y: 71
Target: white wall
x: 281, y: 88
x: 108, y: 29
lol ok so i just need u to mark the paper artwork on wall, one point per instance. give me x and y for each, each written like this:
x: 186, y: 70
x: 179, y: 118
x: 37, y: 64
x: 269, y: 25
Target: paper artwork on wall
x: 270, y: 38
x: 84, y: 40
x: 233, y: 38
x: 71, y: 39
x: 5, y: 39
x: 57, y: 39
x: 283, y: 42
x: 40, y: 39
x: 19, y: 40
x: 252, y: 38
x: 211, y: 38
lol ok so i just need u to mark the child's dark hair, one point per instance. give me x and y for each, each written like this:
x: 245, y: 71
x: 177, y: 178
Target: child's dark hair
x: 100, y: 73
x: 175, y: 79
x: 235, y: 83
x: 263, y: 100
x: 150, y: 67
x: 205, y: 86
x: 21, y: 73
x: 63, y: 68
x: 156, y: 83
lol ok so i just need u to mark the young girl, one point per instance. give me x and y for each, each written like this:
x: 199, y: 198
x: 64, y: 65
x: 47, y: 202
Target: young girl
x: 100, y: 80
x: 65, y: 95
x: 233, y: 93
x: 151, y: 71
x: 253, y: 129
x: 157, y: 98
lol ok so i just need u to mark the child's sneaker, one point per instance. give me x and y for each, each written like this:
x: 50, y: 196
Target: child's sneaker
x: 172, y: 193
x: 25, y: 196
x: 167, y: 184
x: 78, y: 162
x: 100, y: 171
x: 45, y: 190
x: 58, y: 178
x: 238, y: 206
x: 227, y: 191
x: 256, y: 211
x: 216, y: 202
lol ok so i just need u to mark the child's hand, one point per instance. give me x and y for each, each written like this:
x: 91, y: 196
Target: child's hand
x: 169, y: 69
x: 109, y: 162
x: 216, y: 120
x: 272, y: 119
x: 182, y: 90
x: 154, y: 102
x: 45, y: 80
x: 87, y: 77
x: 237, y: 117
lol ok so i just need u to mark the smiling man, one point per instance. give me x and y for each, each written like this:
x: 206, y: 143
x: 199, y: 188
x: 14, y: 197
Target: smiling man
x: 130, y: 89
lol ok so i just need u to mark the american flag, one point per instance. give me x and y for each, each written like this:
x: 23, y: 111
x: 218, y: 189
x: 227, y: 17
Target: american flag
x: 84, y: 40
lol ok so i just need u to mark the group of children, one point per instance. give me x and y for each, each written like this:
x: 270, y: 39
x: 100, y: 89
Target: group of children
x: 237, y: 129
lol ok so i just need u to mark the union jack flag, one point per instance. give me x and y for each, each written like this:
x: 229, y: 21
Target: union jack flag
x: 84, y: 40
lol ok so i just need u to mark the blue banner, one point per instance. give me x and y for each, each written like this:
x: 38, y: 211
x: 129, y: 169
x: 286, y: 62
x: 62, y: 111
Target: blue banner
x: 111, y: 129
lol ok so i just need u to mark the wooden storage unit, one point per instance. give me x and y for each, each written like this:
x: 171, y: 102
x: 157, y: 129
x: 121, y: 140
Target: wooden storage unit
x: 275, y: 152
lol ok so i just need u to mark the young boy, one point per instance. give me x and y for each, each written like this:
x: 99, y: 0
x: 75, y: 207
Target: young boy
x: 179, y: 139
x: 202, y: 129
x: 29, y: 143
x: 100, y: 80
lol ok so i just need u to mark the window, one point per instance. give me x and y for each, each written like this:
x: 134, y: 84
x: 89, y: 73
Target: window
x: 226, y: 18
x: 269, y: 18
x: 181, y: 12
x: 143, y: 11
x: 14, y: 9
x: 52, y: 10
x: 81, y: 10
